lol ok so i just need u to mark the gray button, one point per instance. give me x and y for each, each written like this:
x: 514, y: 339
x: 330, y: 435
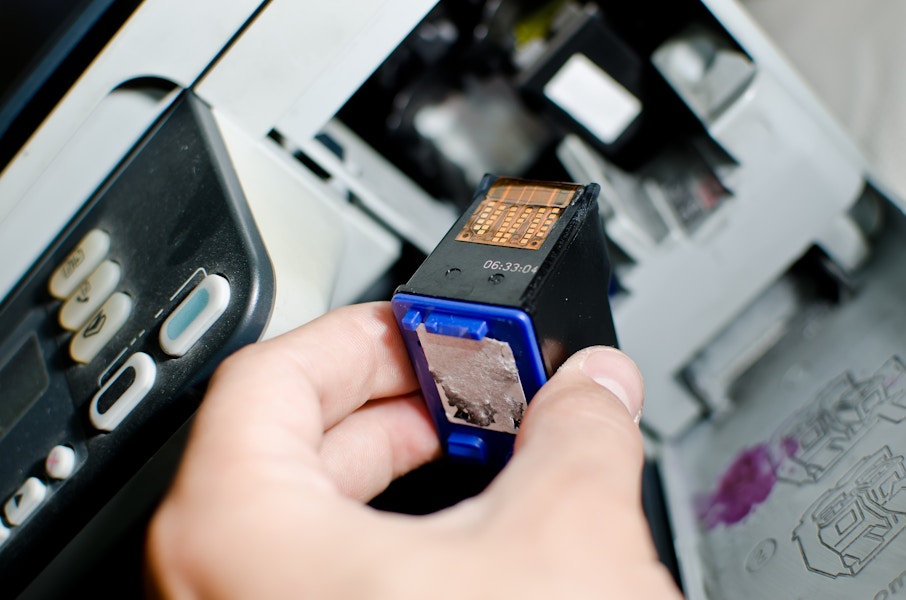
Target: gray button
x: 100, y: 328
x: 83, y: 259
x: 23, y: 503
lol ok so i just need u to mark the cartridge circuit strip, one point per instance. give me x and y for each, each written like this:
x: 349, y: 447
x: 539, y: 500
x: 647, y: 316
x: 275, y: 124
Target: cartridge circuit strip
x: 518, y: 214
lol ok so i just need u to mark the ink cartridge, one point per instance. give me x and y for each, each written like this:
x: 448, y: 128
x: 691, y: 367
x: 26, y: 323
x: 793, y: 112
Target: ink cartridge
x: 518, y: 284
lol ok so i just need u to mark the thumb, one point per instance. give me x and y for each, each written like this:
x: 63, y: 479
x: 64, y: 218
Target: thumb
x: 584, y: 422
x: 569, y: 501
x: 610, y: 369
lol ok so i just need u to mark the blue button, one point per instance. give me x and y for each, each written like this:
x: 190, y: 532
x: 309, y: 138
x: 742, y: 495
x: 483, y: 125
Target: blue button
x: 187, y: 313
x: 195, y: 315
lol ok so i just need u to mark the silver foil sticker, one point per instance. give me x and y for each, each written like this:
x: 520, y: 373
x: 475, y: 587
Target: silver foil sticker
x: 478, y: 381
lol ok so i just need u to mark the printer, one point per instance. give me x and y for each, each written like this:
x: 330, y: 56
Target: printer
x: 180, y: 179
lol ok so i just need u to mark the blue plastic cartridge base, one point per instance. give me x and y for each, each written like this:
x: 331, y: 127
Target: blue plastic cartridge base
x: 506, y: 337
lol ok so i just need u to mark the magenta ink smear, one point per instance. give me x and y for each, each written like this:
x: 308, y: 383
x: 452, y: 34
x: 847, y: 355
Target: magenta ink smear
x: 789, y: 446
x: 745, y: 484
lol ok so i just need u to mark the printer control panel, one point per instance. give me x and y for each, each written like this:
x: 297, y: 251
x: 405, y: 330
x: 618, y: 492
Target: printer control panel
x: 106, y: 342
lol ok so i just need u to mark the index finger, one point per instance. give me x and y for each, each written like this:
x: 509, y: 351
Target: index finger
x: 307, y: 380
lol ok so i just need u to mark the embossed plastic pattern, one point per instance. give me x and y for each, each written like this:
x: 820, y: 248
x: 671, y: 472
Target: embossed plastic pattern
x: 800, y: 491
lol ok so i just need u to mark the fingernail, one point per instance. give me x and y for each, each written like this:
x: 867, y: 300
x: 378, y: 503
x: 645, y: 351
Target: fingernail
x: 615, y: 371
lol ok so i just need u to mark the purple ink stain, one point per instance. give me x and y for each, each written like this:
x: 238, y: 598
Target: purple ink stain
x: 789, y: 446
x: 745, y: 484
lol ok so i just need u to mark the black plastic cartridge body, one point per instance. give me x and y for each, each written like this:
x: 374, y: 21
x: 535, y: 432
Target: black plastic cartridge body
x: 515, y: 287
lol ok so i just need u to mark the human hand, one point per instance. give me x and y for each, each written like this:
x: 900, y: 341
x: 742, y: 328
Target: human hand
x: 296, y: 433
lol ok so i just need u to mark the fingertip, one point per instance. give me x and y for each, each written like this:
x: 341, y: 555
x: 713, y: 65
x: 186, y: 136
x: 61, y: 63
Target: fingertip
x: 613, y: 370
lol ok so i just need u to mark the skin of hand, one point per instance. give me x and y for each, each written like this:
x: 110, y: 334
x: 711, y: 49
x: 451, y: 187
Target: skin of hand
x: 295, y: 434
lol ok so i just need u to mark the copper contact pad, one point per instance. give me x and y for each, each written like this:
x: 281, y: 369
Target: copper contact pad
x: 517, y: 214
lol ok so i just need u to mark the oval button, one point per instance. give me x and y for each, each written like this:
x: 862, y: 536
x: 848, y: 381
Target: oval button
x: 89, y: 295
x: 83, y: 259
x: 100, y: 328
x: 24, y: 501
x: 122, y: 392
x: 195, y: 315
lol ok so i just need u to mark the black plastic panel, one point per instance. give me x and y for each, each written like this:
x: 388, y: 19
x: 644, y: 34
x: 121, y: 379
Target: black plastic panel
x: 174, y: 212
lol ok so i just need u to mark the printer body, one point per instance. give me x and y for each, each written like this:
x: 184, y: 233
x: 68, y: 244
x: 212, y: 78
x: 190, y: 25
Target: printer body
x: 234, y: 171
